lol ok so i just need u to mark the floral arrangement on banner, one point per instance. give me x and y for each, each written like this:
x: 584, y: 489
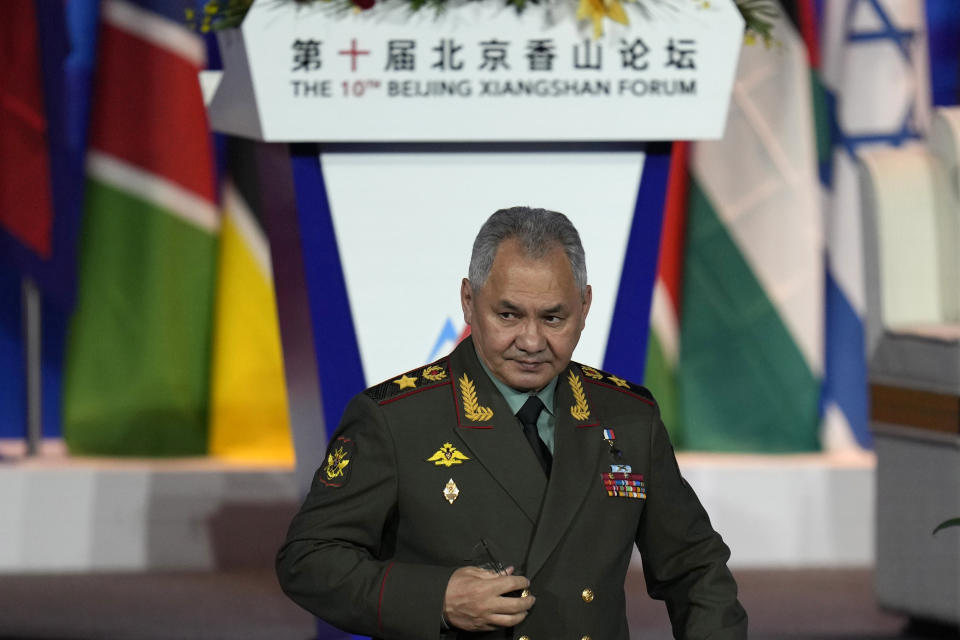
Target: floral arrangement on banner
x: 758, y: 15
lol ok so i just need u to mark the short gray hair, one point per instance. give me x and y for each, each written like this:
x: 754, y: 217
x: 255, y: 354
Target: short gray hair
x: 538, y: 231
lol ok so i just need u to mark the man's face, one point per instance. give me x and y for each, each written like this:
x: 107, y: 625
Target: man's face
x: 527, y: 317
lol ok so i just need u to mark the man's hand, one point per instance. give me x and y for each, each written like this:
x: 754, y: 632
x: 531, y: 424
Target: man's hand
x: 475, y: 602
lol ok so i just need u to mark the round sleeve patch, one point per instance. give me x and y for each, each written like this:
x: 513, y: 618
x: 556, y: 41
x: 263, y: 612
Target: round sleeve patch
x: 336, y: 471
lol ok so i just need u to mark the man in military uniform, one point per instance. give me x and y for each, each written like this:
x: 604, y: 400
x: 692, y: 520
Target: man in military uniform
x: 498, y: 492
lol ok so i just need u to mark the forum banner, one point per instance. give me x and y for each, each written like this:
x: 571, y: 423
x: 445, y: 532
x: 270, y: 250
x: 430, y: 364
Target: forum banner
x: 478, y: 71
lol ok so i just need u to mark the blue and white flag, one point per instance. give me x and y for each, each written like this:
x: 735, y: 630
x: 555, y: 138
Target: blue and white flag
x: 876, y: 72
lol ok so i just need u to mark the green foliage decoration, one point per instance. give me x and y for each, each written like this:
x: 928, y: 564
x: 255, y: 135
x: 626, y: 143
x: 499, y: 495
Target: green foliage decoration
x: 758, y: 15
x: 953, y: 522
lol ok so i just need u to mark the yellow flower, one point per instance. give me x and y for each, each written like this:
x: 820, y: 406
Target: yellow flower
x: 597, y: 10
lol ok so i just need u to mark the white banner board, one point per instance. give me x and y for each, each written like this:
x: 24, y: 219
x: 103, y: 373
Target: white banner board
x: 477, y: 72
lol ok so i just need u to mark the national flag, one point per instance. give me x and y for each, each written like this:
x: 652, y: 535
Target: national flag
x: 751, y: 328
x: 663, y: 345
x: 875, y: 68
x: 249, y: 417
x: 26, y: 209
x: 943, y: 25
x: 137, y: 371
x: 46, y: 52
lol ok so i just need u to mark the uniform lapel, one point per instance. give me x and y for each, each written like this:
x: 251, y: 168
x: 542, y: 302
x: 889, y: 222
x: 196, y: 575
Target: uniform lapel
x: 579, y: 451
x: 492, y: 433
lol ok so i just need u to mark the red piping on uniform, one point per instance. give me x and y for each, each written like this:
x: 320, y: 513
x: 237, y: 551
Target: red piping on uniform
x: 410, y: 393
x: 456, y: 405
x: 622, y: 390
x: 383, y: 584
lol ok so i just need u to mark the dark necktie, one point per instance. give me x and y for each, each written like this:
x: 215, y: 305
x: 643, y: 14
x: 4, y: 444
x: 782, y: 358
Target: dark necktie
x: 528, y: 418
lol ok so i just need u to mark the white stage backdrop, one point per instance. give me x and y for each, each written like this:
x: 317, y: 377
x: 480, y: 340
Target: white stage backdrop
x: 405, y: 223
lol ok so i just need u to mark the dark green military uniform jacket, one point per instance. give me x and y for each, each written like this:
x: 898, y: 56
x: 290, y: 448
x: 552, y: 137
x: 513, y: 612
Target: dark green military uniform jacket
x: 427, y: 465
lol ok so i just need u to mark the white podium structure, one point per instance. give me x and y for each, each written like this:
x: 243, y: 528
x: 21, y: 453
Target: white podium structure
x: 912, y: 217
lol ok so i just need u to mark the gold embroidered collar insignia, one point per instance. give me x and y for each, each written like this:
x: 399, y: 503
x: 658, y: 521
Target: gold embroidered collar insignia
x: 472, y: 408
x: 580, y: 410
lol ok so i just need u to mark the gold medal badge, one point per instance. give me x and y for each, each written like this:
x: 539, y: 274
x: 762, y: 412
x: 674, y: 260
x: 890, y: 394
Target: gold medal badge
x: 447, y: 456
x: 451, y: 491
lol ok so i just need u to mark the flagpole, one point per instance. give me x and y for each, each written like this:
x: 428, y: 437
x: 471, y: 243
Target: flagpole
x: 32, y: 362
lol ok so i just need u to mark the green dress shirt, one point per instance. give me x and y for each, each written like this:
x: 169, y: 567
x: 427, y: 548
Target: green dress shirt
x: 547, y: 420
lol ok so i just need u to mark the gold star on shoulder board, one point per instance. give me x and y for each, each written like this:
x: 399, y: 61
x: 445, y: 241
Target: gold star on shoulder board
x: 620, y: 382
x: 406, y: 382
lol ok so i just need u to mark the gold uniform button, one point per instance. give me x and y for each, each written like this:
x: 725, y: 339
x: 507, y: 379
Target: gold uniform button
x: 524, y: 638
x: 525, y: 594
x: 587, y: 595
x: 586, y: 638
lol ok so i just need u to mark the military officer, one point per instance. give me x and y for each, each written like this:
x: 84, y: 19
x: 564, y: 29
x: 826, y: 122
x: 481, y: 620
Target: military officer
x: 499, y: 491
